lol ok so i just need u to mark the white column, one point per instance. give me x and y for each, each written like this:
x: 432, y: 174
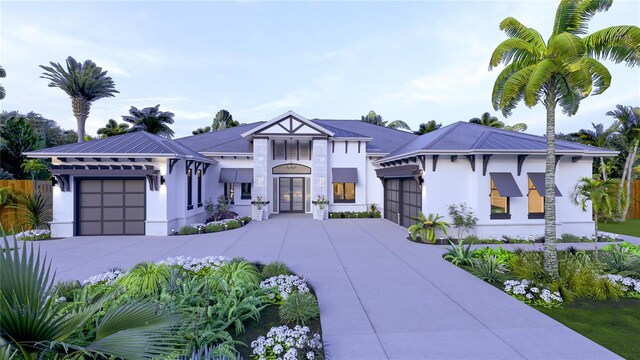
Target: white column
x: 260, y: 169
x: 319, y: 168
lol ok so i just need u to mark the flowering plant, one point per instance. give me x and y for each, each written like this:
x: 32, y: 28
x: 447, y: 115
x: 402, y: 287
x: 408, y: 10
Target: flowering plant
x: 259, y: 202
x: 285, y: 285
x: 629, y: 285
x: 527, y: 292
x: 107, y: 277
x: 36, y: 234
x: 322, y: 200
x: 196, y: 264
x: 284, y: 343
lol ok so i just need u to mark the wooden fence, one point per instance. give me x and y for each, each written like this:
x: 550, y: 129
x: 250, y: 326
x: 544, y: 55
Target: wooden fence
x: 634, y: 207
x: 11, y: 218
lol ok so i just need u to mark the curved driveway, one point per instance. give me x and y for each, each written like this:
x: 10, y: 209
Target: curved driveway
x: 381, y: 296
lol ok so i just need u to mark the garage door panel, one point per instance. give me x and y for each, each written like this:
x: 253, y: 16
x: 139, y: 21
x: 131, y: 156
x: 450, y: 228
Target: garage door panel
x: 403, y: 200
x: 111, y: 207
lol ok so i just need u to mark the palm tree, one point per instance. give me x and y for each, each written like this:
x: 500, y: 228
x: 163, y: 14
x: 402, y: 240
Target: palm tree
x: 629, y: 119
x: 517, y: 127
x: 33, y: 324
x: 112, y: 128
x: 562, y: 71
x: 597, y: 137
x: 428, y: 127
x: 223, y: 120
x: 601, y: 194
x: 375, y: 119
x: 203, y: 130
x: 3, y: 74
x: 33, y: 166
x: 151, y: 120
x: 489, y: 120
x: 84, y: 83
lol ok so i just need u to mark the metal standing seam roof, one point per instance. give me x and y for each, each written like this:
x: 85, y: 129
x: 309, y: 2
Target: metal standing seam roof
x: 464, y: 136
x: 133, y: 143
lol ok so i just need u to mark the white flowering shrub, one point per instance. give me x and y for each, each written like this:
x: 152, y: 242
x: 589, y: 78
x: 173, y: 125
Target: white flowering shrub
x: 196, y: 264
x: 534, y: 294
x: 284, y: 343
x: 629, y: 285
x: 37, y: 234
x: 107, y: 278
x: 285, y: 286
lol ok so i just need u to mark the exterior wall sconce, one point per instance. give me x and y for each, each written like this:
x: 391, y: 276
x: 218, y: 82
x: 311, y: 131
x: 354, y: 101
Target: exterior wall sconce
x: 162, y: 180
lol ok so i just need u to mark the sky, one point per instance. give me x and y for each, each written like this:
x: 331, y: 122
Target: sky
x: 414, y: 61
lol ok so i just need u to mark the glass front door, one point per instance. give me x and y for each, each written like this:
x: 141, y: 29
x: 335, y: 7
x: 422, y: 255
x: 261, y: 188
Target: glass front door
x: 291, y: 194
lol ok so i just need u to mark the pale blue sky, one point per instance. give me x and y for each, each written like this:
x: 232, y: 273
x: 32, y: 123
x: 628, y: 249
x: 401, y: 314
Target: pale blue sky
x: 414, y: 61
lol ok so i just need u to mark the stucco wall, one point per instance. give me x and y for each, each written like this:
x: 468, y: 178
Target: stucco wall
x: 341, y: 156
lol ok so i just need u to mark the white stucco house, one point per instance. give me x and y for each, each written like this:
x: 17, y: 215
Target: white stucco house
x: 142, y: 184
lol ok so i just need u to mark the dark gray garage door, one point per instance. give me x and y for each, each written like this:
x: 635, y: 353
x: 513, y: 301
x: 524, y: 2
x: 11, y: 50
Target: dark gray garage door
x: 402, y: 201
x: 110, y: 207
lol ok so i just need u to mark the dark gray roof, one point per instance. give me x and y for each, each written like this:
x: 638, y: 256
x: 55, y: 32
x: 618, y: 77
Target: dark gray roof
x: 464, y: 136
x: 133, y: 143
x: 384, y: 140
x: 228, y: 140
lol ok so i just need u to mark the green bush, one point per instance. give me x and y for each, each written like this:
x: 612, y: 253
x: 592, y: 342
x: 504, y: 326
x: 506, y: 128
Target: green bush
x: 246, y: 219
x: 528, y: 265
x: 489, y: 269
x: 232, y: 224
x: 460, y: 254
x: 188, y: 230
x: 624, y: 246
x: 146, y: 278
x: 501, y: 255
x: 299, y: 309
x: 239, y: 273
x: 570, y: 238
x: 354, y: 214
x: 274, y: 269
x: 67, y: 289
x: 211, y: 228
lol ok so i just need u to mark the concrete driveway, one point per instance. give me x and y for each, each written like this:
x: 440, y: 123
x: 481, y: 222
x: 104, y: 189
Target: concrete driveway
x: 381, y: 296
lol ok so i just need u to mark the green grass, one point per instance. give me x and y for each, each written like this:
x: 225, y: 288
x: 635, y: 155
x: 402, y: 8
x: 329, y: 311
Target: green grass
x: 614, y: 325
x: 629, y: 227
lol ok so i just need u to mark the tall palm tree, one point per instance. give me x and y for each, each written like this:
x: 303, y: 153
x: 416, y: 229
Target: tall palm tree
x: 600, y: 193
x: 151, y: 120
x: 203, y: 130
x: 3, y: 74
x: 223, y: 120
x: 84, y: 83
x: 112, y: 128
x: 561, y: 71
x: 597, y: 137
x: 375, y: 119
x: 487, y: 119
x: 629, y: 120
x: 428, y: 127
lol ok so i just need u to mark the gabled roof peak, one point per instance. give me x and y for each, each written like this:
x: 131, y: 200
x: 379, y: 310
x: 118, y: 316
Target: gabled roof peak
x: 301, y: 123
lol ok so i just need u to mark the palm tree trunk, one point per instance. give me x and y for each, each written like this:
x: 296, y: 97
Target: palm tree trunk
x: 550, y: 253
x: 595, y: 216
x: 604, y: 172
x: 625, y: 168
x: 629, y: 179
x: 80, y: 107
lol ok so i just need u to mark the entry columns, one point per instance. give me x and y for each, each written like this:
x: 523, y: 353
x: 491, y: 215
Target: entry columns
x: 319, y: 169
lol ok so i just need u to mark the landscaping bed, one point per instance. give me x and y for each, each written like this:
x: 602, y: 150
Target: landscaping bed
x: 597, y: 294
x: 178, y: 308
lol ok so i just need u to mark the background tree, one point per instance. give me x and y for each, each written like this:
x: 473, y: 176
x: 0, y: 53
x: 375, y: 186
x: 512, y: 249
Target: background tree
x: 629, y: 120
x: 17, y: 136
x: 203, y: 130
x: 151, y: 120
x: 48, y: 130
x: 562, y: 71
x: 36, y: 167
x: 599, y: 137
x: 428, y: 127
x: 375, y: 119
x: 112, y: 128
x: 487, y: 119
x: 223, y: 120
x: 84, y: 83
x: 3, y: 74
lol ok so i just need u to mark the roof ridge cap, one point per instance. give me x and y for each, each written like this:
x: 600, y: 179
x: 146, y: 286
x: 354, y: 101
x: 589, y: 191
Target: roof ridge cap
x: 445, y: 130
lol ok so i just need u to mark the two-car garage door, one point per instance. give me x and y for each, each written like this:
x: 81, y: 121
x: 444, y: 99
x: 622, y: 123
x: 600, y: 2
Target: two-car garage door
x: 110, y: 206
x: 402, y: 200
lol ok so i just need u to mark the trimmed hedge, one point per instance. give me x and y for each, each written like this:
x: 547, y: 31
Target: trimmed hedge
x: 354, y: 214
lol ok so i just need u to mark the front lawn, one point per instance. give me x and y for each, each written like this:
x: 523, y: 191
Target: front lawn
x: 629, y: 227
x: 612, y: 324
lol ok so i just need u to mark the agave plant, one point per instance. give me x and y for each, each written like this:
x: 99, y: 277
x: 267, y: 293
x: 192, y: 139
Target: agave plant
x: 36, y: 210
x: 33, y: 325
x: 620, y: 261
x: 489, y: 270
x: 460, y: 254
x: 425, y: 227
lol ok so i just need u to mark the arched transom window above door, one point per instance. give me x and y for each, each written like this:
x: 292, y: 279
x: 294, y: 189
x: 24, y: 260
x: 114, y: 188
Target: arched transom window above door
x: 291, y: 168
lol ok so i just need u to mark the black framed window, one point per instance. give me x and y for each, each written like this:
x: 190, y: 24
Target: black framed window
x: 229, y: 192
x: 344, y: 192
x: 536, y: 202
x: 189, y: 189
x: 199, y: 174
x: 499, y: 204
x: 245, y: 191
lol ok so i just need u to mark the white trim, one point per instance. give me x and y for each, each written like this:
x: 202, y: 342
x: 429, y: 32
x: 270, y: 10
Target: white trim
x: 284, y: 116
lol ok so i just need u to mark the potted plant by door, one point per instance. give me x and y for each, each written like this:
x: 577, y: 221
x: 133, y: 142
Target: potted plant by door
x: 258, y: 208
x: 320, y: 208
